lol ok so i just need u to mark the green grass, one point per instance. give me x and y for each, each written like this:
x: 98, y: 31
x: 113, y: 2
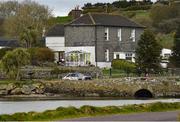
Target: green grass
x: 64, y: 19
x: 142, y: 14
x: 87, y: 111
x: 116, y: 73
x: 16, y: 82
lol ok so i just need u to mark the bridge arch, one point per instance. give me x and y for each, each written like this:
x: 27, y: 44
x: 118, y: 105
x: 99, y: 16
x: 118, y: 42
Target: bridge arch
x: 143, y: 93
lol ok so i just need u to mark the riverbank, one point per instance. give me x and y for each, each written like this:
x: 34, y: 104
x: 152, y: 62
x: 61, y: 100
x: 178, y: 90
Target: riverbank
x: 62, y: 113
x: 42, y: 97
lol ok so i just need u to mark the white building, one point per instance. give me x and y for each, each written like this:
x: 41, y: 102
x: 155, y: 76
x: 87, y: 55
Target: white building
x: 56, y: 42
x: 165, y: 54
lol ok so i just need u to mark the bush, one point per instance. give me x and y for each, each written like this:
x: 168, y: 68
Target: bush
x: 40, y: 55
x: 141, y: 7
x: 123, y: 65
x: 3, y: 51
x: 13, y: 61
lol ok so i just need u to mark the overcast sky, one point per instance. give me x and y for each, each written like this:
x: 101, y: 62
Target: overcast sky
x: 62, y: 7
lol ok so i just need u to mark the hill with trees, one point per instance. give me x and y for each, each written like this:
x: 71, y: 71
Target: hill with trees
x: 161, y: 17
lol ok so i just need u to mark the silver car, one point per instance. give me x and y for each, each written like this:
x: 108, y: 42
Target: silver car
x: 76, y: 76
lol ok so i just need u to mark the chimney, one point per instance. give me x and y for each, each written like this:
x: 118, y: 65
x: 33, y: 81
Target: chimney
x: 75, y: 13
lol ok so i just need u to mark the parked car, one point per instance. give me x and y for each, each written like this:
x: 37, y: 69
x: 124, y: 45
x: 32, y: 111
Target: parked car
x: 77, y: 76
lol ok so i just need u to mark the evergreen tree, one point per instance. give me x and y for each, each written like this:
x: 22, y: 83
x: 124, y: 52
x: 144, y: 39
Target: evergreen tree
x: 148, y: 52
x: 175, y: 59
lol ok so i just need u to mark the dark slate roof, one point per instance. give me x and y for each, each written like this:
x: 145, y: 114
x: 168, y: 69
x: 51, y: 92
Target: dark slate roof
x: 9, y: 43
x: 57, y: 30
x: 105, y: 20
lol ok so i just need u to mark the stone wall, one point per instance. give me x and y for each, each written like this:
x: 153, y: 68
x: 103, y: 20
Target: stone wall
x: 21, y: 89
x: 123, y: 88
x: 48, y: 73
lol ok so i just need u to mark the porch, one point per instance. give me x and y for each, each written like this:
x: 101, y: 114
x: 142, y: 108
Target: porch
x: 77, y: 58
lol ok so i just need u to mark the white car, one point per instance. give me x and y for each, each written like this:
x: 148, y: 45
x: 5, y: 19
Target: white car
x: 76, y: 76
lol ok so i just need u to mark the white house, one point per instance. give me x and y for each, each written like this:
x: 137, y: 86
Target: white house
x: 56, y: 42
x: 165, y: 54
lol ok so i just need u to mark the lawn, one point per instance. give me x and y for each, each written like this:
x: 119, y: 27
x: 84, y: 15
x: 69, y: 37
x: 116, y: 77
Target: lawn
x: 116, y: 73
x: 64, y: 19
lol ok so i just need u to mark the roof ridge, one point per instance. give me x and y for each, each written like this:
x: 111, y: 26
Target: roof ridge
x: 92, y: 19
x: 73, y: 20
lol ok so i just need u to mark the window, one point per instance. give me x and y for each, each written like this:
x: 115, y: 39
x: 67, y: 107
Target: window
x: 106, y: 55
x: 106, y: 34
x: 129, y: 56
x: 119, y: 34
x: 133, y: 35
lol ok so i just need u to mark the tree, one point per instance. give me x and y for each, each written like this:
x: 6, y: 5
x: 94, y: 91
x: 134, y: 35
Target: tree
x: 13, y: 61
x: 175, y: 59
x: 40, y: 55
x: 160, y: 12
x: 28, y: 37
x: 29, y: 15
x: 148, y: 52
x: 8, y: 9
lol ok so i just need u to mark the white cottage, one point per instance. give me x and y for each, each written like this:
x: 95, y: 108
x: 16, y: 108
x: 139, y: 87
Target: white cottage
x: 56, y: 42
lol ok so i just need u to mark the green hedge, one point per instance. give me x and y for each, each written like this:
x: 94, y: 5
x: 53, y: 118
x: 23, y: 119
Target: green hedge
x: 124, y: 65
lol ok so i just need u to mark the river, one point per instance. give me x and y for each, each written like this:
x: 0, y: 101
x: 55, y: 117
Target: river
x: 10, y: 107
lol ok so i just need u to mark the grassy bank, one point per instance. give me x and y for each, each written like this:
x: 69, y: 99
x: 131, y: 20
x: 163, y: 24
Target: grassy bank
x: 17, y: 82
x: 85, y: 111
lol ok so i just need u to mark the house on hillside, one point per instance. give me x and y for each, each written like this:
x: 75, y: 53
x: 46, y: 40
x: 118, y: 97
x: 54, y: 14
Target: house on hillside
x: 96, y: 39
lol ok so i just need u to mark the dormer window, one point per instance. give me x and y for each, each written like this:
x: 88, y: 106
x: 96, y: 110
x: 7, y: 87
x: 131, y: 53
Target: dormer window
x: 133, y: 35
x: 106, y: 34
x: 119, y: 34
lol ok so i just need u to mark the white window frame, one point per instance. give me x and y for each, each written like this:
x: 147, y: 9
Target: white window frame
x: 107, y: 55
x: 133, y: 35
x: 129, y: 55
x: 119, y: 35
x: 106, y: 34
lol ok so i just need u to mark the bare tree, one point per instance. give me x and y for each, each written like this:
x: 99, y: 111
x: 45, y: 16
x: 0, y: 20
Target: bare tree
x: 29, y: 14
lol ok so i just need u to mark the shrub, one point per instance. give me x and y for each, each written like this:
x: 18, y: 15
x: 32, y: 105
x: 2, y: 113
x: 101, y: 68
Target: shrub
x: 13, y: 61
x: 3, y: 51
x: 141, y: 7
x: 123, y: 65
x: 40, y: 55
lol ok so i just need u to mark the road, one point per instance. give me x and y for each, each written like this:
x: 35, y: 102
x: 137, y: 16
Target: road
x: 154, y: 116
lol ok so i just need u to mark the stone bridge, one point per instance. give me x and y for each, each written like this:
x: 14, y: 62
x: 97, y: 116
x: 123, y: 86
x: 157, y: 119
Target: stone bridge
x: 123, y: 87
x: 120, y: 87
